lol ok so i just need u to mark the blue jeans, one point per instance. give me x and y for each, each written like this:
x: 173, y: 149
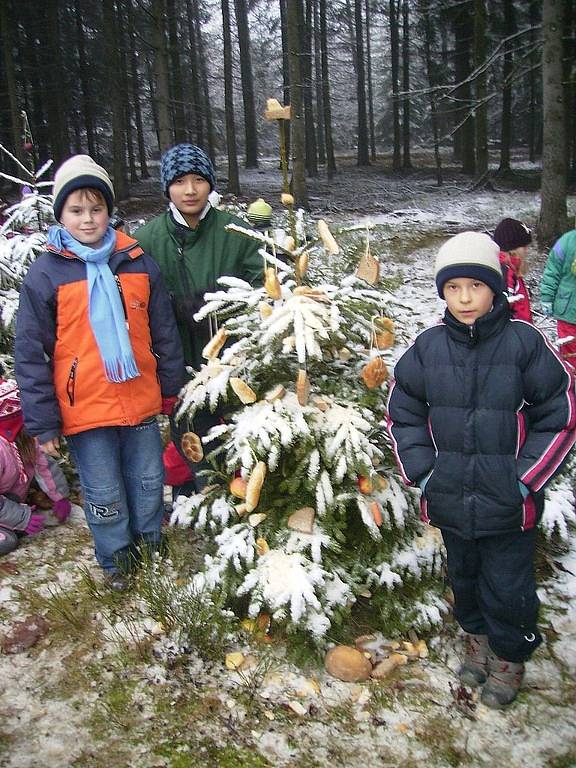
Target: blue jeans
x: 122, y: 477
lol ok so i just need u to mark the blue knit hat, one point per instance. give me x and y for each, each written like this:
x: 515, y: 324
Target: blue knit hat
x: 183, y: 159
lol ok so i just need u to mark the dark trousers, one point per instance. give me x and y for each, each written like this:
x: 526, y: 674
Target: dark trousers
x: 495, y: 590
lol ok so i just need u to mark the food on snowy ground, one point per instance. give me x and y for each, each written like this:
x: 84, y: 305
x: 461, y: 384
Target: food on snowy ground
x: 347, y: 664
x: 192, y: 446
x: 387, y: 666
x: 374, y: 373
x: 237, y: 487
x: 302, y: 387
x: 255, y: 483
x: 245, y: 393
x: 215, y: 344
x: 272, y: 284
x: 327, y: 238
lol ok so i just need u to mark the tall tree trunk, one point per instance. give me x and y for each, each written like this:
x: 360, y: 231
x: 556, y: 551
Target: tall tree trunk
x: 285, y: 69
x: 250, y: 126
x: 553, y: 219
x: 53, y: 72
x: 85, y: 80
x: 481, y: 114
x: 206, y: 107
x: 393, y: 6
x: 427, y: 24
x: 327, y: 107
x: 110, y: 26
x: 320, y: 143
x: 534, y: 124
x: 196, y: 105
x: 135, y: 90
x: 161, y: 93
x: 306, y: 27
x: 406, y: 161
x: 363, y: 154
x: 125, y: 86
x: 299, y: 189
x: 233, y: 175
x: 175, y: 81
x: 371, y: 129
x: 464, y: 135
x: 506, y: 125
x: 10, y: 79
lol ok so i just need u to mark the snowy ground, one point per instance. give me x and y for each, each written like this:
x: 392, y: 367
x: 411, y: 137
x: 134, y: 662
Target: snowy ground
x: 103, y: 688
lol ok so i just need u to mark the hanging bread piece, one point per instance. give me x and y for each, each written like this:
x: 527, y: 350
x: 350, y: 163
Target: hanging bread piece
x: 272, y: 284
x: 255, y: 483
x: 302, y: 263
x: 237, y: 487
x: 302, y: 387
x: 275, y: 110
x: 302, y: 520
x: 327, y: 238
x: 289, y: 243
x: 383, y: 336
x: 192, y: 446
x: 245, y: 393
x: 215, y: 344
x: 276, y: 393
x: 286, y: 198
x: 261, y: 547
x: 376, y: 513
x: 368, y: 267
x: 374, y: 373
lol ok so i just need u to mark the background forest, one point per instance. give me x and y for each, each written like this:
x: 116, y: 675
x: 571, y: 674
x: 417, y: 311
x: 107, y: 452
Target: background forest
x: 468, y: 80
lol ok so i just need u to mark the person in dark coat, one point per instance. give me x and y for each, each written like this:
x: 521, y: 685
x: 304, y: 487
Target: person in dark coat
x: 482, y: 416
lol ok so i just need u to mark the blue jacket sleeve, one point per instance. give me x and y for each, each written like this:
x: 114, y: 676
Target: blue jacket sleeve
x: 34, y: 347
x: 408, y: 419
x: 166, y: 342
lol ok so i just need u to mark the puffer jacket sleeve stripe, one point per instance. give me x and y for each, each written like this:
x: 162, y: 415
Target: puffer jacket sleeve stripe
x: 551, y: 410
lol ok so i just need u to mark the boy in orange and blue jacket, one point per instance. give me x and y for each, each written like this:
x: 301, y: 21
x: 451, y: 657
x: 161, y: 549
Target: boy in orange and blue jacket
x: 98, y: 357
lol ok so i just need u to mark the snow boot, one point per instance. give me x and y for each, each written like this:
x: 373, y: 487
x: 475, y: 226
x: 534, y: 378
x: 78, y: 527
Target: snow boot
x: 116, y: 581
x: 504, y: 681
x: 474, y: 669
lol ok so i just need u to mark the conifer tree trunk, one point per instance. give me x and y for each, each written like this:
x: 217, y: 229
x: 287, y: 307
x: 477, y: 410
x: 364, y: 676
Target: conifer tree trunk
x: 53, y: 72
x: 161, y: 92
x: 285, y: 69
x: 553, y: 219
x: 371, y: 128
x: 363, y: 156
x: 427, y: 24
x: 250, y: 125
x: 110, y: 26
x: 506, y: 124
x: 299, y: 189
x: 196, y: 118
x: 464, y: 134
x: 306, y: 26
x: 318, y: 86
x: 175, y: 80
x: 135, y: 91
x: 406, y: 161
x: 481, y: 112
x: 534, y: 119
x: 327, y: 107
x: 124, y: 85
x: 10, y: 79
x: 233, y: 175
x: 205, y: 101
x: 393, y: 8
x: 85, y: 80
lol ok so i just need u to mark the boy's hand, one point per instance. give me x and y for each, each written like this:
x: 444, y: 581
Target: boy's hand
x: 52, y: 447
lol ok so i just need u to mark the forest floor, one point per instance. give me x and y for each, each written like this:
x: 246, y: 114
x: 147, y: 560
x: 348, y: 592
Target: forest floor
x: 93, y: 680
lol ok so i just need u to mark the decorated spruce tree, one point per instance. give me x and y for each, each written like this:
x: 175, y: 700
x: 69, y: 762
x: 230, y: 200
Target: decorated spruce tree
x: 22, y: 238
x: 305, y: 512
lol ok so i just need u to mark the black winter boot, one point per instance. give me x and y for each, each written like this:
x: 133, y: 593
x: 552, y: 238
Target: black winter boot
x: 474, y: 669
x: 504, y: 681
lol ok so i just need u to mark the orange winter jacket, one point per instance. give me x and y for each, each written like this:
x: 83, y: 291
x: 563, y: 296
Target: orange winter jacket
x: 63, y: 387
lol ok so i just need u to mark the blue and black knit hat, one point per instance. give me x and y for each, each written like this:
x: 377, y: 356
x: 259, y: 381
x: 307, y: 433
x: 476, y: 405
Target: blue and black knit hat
x: 469, y: 254
x: 183, y: 159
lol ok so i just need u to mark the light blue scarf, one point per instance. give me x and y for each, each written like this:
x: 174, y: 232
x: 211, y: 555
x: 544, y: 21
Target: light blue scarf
x: 105, y: 308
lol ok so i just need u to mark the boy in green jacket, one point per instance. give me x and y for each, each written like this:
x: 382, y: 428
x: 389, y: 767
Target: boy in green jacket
x: 193, y: 249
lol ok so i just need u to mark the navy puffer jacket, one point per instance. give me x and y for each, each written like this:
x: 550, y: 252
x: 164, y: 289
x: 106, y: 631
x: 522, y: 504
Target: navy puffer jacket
x: 481, y: 407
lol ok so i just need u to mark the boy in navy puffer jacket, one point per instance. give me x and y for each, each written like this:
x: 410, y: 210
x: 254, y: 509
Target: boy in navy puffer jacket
x: 482, y: 414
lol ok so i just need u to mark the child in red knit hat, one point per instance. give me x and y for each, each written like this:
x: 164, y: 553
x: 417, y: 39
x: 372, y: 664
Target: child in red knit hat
x: 22, y: 460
